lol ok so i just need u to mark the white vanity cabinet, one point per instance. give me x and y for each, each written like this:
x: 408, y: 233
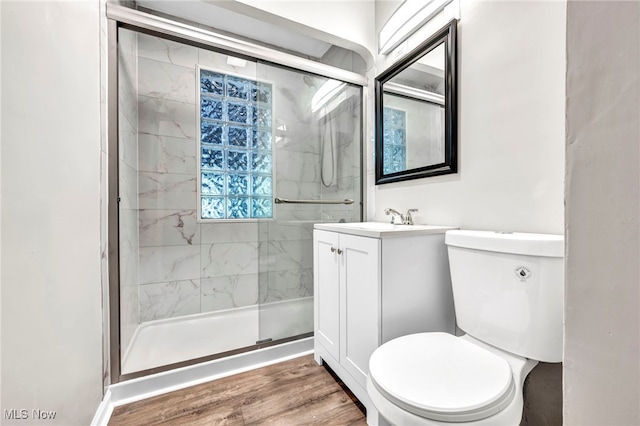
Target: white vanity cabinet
x: 371, y: 286
x: 346, y: 297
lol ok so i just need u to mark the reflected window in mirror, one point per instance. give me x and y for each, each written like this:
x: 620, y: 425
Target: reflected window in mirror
x: 395, y: 135
x: 415, y: 112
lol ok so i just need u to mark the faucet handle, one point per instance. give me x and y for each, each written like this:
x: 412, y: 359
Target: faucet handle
x: 410, y: 217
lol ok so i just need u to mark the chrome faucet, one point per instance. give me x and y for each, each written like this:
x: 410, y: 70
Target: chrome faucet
x: 393, y: 214
x: 404, y: 219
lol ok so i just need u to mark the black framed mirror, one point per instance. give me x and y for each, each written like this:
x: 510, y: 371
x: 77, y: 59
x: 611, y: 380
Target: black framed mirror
x: 416, y: 112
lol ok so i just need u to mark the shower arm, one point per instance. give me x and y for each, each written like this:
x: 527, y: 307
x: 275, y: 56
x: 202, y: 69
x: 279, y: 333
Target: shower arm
x: 279, y: 200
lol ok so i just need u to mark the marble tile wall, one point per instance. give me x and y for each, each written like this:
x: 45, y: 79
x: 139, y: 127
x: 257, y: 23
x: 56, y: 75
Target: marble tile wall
x: 286, y: 262
x: 169, y: 235
x: 187, y: 267
x: 128, y: 158
x: 345, y: 181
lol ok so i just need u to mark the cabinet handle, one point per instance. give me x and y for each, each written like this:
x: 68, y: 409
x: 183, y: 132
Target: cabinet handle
x: 333, y: 249
x: 339, y: 251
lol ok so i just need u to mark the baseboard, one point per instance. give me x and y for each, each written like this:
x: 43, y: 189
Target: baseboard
x: 180, y: 378
x: 103, y: 413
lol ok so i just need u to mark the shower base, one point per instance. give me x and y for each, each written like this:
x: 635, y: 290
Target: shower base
x: 168, y: 341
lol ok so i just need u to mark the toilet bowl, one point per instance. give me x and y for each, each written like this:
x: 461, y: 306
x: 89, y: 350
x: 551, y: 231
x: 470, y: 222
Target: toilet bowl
x: 508, y: 296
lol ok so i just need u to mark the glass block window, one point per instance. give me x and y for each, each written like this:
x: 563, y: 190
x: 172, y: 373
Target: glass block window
x: 236, y: 155
x: 394, y: 136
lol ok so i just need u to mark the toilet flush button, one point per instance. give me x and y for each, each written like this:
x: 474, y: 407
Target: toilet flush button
x: 523, y: 273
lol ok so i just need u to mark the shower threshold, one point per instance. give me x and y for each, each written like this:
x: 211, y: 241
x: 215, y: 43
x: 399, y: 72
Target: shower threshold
x: 174, y: 340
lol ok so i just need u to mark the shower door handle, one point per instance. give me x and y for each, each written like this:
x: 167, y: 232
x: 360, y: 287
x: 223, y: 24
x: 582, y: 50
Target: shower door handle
x: 279, y: 200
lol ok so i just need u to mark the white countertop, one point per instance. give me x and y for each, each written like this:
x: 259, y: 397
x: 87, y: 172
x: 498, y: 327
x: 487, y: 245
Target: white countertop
x: 382, y: 229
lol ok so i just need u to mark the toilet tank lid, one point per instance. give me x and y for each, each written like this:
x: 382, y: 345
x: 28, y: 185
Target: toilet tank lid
x: 546, y: 245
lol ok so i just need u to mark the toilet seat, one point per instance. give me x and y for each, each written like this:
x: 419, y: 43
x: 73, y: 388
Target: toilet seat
x: 442, y: 377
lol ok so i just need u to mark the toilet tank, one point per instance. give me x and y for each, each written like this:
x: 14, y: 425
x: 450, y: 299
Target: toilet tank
x: 508, y: 290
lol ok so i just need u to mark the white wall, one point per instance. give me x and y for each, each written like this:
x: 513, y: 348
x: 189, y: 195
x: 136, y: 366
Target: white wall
x: 1, y: 316
x: 51, y: 317
x: 384, y: 10
x: 1, y: 208
x: 602, y: 320
x: 511, y: 123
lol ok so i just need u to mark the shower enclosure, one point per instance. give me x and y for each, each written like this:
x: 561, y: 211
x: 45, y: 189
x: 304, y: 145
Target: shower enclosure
x: 225, y: 162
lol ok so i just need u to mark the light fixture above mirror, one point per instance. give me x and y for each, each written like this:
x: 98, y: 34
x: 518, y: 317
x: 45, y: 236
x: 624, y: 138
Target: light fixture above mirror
x: 411, y: 15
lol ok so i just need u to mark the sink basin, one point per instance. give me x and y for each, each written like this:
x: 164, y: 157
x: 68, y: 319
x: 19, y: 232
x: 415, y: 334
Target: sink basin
x: 382, y: 229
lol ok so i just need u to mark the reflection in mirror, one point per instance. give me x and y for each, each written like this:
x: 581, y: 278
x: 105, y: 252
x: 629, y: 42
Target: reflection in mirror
x: 415, y: 135
x: 413, y: 115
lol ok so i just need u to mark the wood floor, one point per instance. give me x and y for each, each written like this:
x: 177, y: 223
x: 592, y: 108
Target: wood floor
x: 295, y: 392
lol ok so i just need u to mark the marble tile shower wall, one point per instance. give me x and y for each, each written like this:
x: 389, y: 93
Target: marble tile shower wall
x: 286, y: 258
x: 128, y: 158
x: 186, y: 267
x: 341, y: 178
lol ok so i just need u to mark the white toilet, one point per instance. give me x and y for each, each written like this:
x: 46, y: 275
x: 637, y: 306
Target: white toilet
x: 508, y: 290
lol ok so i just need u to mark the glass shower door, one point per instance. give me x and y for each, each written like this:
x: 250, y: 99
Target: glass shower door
x: 210, y: 264
x: 316, y: 146
x: 191, y: 196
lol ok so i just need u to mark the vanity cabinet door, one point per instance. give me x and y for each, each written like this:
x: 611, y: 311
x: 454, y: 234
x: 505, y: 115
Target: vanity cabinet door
x: 326, y: 291
x: 360, y: 296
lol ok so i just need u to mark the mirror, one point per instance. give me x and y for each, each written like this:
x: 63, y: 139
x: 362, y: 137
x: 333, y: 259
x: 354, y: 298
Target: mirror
x: 416, y: 124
